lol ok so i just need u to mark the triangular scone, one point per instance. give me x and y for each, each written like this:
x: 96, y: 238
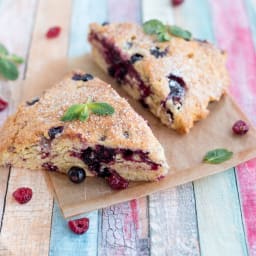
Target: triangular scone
x: 176, y: 80
x: 35, y: 137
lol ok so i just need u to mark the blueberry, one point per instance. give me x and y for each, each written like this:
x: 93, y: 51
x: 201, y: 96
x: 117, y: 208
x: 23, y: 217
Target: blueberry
x: 157, y: 52
x: 54, y: 131
x: 105, y: 155
x: 82, y: 77
x: 105, y: 23
x: 33, y: 101
x: 76, y: 174
x: 136, y: 57
x: 103, y: 172
x: 177, y: 89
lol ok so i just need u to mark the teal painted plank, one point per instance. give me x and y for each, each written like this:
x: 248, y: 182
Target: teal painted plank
x: 84, y: 13
x: 217, y: 200
x: 250, y: 6
x: 65, y: 242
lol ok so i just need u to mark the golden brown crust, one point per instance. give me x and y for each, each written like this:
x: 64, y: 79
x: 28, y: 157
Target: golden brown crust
x: 198, y: 63
x: 22, y: 133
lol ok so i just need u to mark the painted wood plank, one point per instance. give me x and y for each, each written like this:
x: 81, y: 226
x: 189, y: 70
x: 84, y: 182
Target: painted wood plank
x: 83, y: 13
x: 234, y: 33
x: 173, y: 223
x: 217, y: 203
x: 173, y: 227
x: 65, y: 242
x: 123, y: 228
x: 26, y: 228
x: 16, y: 38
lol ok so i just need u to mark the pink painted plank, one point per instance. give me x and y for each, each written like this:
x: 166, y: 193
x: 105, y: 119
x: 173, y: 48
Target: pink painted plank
x: 233, y: 34
x: 124, y: 227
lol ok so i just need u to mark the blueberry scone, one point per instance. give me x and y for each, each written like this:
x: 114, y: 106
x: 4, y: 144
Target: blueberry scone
x: 175, y: 76
x: 80, y: 127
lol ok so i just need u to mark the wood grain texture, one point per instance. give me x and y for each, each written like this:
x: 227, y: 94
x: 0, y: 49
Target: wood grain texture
x: 173, y: 227
x: 63, y: 242
x: 217, y: 202
x: 175, y: 232
x: 234, y: 33
x: 123, y: 228
x: 16, y: 39
x: 26, y: 228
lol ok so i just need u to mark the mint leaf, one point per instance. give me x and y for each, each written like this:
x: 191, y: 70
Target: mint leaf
x: 179, y: 32
x: 8, y: 69
x: 153, y: 27
x: 163, y: 37
x: 16, y: 59
x: 73, y: 112
x: 3, y: 50
x: 84, y: 114
x: 217, y: 156
x: 101, y: 108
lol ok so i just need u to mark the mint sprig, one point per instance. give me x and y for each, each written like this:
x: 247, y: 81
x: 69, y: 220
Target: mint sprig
x: 8, y: 62
x: 164, y: 32
x: 217, y: 156
x: 82, y: 111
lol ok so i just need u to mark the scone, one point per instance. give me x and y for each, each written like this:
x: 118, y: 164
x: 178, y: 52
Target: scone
x: 176, y: 80
x: 119, y: 144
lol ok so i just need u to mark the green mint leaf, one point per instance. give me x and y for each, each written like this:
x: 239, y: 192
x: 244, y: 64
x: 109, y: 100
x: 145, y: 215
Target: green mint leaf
x: 163, y: 37
x: 3, y: 50
x: 73, y: 112
x: 217, y: 156
x: 8, y: 69
x: 179, y: 32
x: 16, y: 59
x: 101, y: 108
x: 84, y: 114
x: 153, y: 27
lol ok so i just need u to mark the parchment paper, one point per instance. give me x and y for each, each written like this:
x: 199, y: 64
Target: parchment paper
x: 184, y: 153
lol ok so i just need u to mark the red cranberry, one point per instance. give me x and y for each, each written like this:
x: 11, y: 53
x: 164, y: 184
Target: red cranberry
x: 3, y: 104
x: 176, y: 2
x: 22, y: 195
x: 116, y: 182
x: 240, y: 127
x: 79, y: 226
x: 53, y: 32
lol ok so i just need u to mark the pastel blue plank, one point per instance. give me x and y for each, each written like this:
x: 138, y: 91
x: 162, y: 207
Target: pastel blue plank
x: 65, y: 243
x: 217, y: 201
x: 251, y: 12
x: 84, y: 13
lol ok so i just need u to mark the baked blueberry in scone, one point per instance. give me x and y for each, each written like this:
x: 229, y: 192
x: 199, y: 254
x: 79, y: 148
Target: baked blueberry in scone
x: 80, y: 127
x: 173, y: 75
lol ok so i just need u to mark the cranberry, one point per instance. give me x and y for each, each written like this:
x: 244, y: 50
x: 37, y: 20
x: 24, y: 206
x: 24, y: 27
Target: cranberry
x: 176, y: 2
x: 177, y: 89
x: 76, y: 174
x: 50, y: 167
x: 136, y: 57
x: 117, y: 182
x: 22, y: 195
x: 240, y: 127
x: 55, y: 131
x: 79, y: 226
x: 53, y: 32
x: 82, y: 77
x: 3, y: 104
x: 33, y: 101
x: 157, y: 52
